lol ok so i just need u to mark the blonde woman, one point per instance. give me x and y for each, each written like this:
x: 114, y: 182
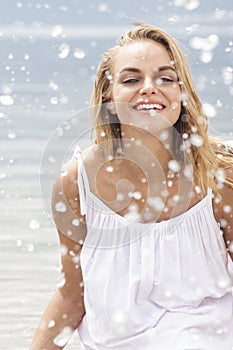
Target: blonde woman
x: 146, y: 237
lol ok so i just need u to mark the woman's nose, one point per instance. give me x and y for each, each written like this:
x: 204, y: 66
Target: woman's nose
x: 149, y: 87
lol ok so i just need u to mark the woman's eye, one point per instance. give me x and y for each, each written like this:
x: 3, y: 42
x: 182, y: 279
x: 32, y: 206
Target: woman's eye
x: 162, y: 80
x: 130, y: 81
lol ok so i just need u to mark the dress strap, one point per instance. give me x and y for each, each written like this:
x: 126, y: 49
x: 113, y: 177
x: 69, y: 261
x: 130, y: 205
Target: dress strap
x: 83, y: 184
x: 209, y: 196
x: 209, y: 192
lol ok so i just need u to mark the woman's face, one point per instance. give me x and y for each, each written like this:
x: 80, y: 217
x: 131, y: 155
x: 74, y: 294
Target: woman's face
x: 145, y: 87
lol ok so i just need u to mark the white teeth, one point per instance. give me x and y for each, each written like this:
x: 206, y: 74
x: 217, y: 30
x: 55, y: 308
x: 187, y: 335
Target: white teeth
x: 149, y: 106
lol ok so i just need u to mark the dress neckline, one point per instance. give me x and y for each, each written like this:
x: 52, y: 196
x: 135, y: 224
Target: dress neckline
x: 179, y: 217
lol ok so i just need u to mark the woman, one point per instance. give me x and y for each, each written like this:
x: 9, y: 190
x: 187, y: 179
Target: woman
x: 151, y: 217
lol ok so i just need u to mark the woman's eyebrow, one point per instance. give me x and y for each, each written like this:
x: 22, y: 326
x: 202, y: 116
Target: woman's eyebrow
x: 130, y: 69
x: 162, y: 68
x: 156, y: 69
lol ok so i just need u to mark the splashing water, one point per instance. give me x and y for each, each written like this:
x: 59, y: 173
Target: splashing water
x: 79, y: 53
x: 196, y: 140
x: 209, y: 110
x: 2, y: 176
x: 64, y: 50
x: 63, y: 337
x: 6, y: 100
x: 227, y: 74
x: 187, y: 4
x: 34, y: 224
x: 102, y: 7
x: 11, y: 135
x: 60, y: 207
x: 56, y: 31
x: 174, y: 165
x: 206, y: 45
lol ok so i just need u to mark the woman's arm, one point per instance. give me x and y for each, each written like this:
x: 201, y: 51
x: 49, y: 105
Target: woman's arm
x: 226, y: 212
x: 66, y: 308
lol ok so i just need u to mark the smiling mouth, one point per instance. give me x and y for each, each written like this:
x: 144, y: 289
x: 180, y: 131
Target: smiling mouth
x: 149, y: 106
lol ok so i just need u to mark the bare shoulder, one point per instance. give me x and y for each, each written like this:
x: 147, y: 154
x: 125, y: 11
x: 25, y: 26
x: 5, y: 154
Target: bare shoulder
x: 66, y: 204
x: 66, y: 185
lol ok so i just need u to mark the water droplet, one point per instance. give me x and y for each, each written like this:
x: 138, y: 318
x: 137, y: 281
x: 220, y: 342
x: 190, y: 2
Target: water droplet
x: 76, y: 259
x: 206, y: 56
x: 64, y: 171
x: 137, y: 195
x: 30, y: 247
x: 220, y: 177
x: 64, y: 50
x: 188, y: 172
x: 54, y: 100
x: 60, y: 207
x: 118, y: 317
x: 19, y: 4
x: 108, y: 75
x: 153, y: 113
x: 56, y: 31
x: 19, y: 243
x: 6, y: 100
x: 227, y: 74
x: 51, y: 159
x: 168, y: 293
x: 164, y: 135
x: 102, y: 7
x: 173, y: 165
x: 75, y: 222
x: 191, y: 4
x: 156, y: 202
x: 62, y: 281
x: 59, y: 131
x: 34, y: 224
x: 197, y: 189
x: 63, y: 250
x: 219, y: 104
x: 11, y: 135
x: 51, y: 323
x: 109, y: 169
x: 175, y: 105
x: 223, y: 283
x: 79, y: 53
x: 205, y: 44
x: 53, y: 85
x: 209, y: 110
x: 2, y: 176
x: 227, y: 209
x: 187, y: 4
x: 120, y: 197
x: 196, y: 140
x: 63, y: 337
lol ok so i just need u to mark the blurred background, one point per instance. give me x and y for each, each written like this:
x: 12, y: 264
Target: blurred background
x: 49, y: 52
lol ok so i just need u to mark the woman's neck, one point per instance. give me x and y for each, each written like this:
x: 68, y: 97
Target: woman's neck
x: 142, y: 144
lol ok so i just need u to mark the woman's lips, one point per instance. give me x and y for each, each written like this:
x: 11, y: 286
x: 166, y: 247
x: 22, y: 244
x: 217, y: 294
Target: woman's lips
x: 151, y: 108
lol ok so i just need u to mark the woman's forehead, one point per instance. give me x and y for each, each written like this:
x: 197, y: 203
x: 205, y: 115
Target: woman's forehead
x: 141, y: 52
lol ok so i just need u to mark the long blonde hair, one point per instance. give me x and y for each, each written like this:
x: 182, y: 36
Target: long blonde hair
x: 207, y: 156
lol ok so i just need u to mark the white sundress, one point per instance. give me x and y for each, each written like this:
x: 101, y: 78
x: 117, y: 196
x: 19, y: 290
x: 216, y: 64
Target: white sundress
x: 154, y: 286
